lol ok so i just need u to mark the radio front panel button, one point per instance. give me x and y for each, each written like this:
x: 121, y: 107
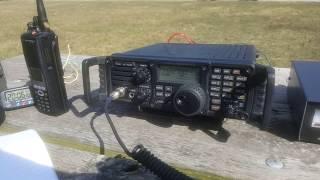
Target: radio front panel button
x: 168, y: 88
x: 241, y: 105
x: 167, y: 94
x: 40, y: 93
x: 217, y: 83
x: 228, y: 83
x: 8, y: 105
x: 242, y: 97
x: 240, y: 84
x: 215, y: 108
x: 217, y: 70
x: 214, y: 94
x: 226, y: 71
x: 159, y: 87
x: 227, y: 89
x: 215, y: 88
x: 144, y: 86
x: 216, y: 101
x: 236, y: 72
x: 159, y: 94
x: 227, y: 77
x: 159, y: 101
x: 143, y: 65
x: 39, y: 87
x: 215, y: 76
x: 241, y: 78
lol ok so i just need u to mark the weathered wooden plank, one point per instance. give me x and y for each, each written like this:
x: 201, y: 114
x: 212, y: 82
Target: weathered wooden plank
x: 189, y: 143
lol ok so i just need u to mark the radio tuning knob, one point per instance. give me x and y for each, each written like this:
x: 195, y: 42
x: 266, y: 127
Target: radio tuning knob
x: 142, y: 75
x: 189, y: 100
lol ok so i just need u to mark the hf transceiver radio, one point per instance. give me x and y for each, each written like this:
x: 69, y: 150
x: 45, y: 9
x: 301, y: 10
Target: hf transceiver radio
x: 41, y: 51
x: 191, y: 79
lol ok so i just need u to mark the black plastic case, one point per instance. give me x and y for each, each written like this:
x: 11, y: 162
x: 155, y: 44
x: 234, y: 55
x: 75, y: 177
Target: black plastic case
x: 304, y: 99
x: 41, y: 51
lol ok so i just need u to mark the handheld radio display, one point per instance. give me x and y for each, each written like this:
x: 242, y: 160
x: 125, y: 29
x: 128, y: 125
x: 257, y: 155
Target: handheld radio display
x: 41, y: 52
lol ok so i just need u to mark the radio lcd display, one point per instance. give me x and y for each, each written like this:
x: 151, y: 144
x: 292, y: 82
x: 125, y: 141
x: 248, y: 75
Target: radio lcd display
x: 18, y: 95
x: 184, y: 75
x: 16, y: 98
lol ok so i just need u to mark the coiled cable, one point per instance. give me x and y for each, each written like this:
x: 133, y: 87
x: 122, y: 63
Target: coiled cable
x: 154, y: 164
x: 145, y: 157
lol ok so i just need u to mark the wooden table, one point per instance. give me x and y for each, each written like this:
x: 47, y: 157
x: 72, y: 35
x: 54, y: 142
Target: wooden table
x: 193, y: 144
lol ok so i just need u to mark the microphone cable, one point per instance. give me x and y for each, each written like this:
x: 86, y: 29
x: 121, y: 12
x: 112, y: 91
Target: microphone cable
x: 144, y: 156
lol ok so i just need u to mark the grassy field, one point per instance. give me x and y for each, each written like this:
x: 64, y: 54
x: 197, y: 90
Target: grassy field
x: 284, y: 31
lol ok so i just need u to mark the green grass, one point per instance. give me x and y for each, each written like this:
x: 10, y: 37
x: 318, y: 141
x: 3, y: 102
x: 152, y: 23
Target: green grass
x: 283, y: 31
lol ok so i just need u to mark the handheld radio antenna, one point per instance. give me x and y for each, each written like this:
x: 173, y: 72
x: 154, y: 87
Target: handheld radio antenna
x: 42, y: 16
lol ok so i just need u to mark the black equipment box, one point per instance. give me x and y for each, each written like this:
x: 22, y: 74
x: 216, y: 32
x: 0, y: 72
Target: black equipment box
x: 192, y: 79
x: 304, y: 99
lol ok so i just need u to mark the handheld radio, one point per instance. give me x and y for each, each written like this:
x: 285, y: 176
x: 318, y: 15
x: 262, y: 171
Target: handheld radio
x: 41, y: 51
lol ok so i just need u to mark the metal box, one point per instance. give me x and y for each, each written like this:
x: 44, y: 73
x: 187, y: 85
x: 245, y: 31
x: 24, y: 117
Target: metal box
x: 304, y: 99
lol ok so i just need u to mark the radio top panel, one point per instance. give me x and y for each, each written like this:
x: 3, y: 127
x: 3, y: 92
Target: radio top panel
x: 242, y: 54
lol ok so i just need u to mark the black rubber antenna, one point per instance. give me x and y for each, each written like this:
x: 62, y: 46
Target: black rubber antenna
x: 42, y: 16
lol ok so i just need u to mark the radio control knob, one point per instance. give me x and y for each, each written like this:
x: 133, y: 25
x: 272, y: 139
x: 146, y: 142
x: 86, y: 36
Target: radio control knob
x: 189, y: 100
x: 142, y: 75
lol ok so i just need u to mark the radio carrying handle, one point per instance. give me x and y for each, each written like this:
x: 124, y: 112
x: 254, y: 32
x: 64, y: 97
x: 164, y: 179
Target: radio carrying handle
x: 267, y: 112
x: 101, y: 61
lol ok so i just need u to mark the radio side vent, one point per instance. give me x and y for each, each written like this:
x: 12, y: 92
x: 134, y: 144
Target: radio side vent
x: 122, y: 75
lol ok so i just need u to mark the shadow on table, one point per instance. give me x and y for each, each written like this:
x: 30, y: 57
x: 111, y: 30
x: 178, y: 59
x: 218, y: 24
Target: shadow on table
x: 280, y: 125
x: 212, y: 127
